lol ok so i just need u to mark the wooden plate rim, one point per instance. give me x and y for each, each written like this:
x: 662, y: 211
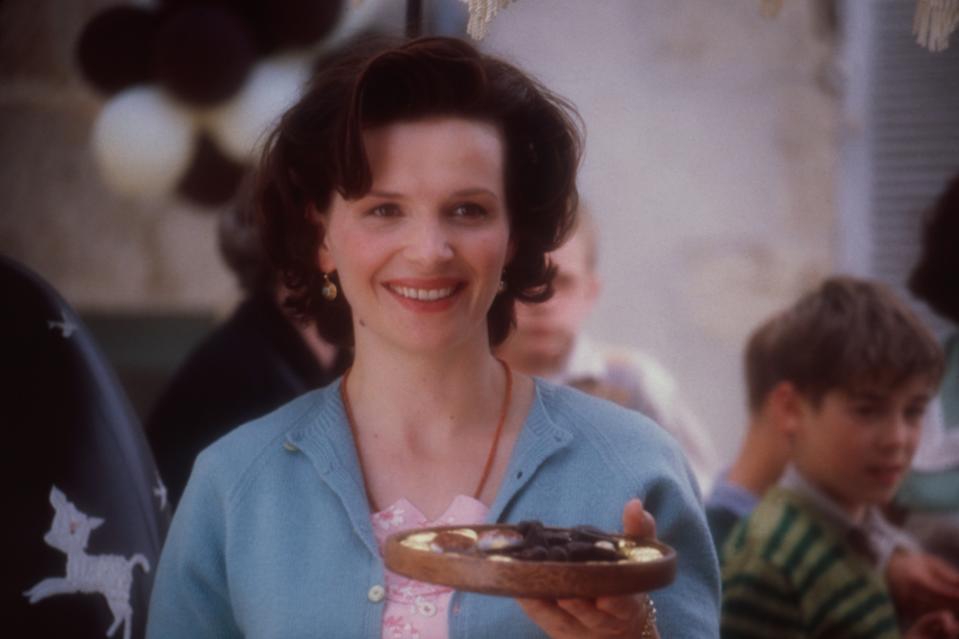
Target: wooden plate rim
x: 474, y: 573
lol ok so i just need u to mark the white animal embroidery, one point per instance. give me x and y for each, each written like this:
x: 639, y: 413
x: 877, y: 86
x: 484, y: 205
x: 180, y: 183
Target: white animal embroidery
x: 159, y: 491
x: 66, y: 327
x: 109, y: 575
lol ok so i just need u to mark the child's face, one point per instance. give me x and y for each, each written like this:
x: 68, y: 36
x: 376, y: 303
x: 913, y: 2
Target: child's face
x: 858, y: 444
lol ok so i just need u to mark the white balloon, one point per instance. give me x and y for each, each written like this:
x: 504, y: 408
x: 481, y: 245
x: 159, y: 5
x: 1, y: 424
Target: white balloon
x: 241, y: 125
x: 143, y: 142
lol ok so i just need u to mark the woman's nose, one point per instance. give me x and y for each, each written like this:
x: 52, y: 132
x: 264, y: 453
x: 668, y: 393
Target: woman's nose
x: 429, y: 243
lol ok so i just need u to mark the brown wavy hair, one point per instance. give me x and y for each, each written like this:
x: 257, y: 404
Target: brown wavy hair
x: 317, y: 148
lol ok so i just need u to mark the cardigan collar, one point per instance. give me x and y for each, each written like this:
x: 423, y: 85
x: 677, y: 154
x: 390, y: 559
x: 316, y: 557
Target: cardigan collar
x: 327, y: 442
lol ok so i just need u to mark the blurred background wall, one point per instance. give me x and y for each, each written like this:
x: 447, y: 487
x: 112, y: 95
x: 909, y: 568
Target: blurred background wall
x: 711, y: 166
x: 714, y: 164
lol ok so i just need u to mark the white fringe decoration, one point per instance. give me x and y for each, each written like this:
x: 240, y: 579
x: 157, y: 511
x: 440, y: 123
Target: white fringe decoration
x: 482, y: 13
x: 934, y: 22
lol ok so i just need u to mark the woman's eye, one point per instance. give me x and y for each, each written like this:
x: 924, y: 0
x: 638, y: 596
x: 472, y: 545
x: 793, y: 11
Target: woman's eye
x: 469, y: 210
x: 385, y: 210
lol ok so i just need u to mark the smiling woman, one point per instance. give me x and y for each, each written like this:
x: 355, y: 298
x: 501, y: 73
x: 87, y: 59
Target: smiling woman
x: 420, y: 256
x: 409, y: 199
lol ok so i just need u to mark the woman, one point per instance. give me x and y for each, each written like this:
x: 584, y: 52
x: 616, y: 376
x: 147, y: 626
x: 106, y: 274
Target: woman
x: 410, y: 198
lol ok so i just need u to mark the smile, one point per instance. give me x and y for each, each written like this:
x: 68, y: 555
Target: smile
x: 422, y: 294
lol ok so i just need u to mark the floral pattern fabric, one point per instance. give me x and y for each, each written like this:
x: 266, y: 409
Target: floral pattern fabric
x: 417, y: 610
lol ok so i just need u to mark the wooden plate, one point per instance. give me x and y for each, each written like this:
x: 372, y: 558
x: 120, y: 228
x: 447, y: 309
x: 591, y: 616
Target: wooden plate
x: 522, y: 578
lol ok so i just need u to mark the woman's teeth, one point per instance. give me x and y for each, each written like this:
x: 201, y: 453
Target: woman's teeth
x: 424, y: 294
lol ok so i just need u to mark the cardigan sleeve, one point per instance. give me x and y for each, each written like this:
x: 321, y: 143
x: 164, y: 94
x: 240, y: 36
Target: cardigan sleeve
x: 191, y: 594
x: 690, y: 606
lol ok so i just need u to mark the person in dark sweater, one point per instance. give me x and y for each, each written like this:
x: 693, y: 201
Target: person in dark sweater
x: 255, y: 361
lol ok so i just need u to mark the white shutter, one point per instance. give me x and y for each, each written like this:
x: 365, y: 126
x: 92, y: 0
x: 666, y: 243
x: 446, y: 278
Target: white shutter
x: 903, y: 143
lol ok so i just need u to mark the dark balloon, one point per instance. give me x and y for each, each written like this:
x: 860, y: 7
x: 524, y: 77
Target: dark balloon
x: 278, y: 24
x: 115, y: 48
x: 212, y: 178
x: 203, y: 54
x: 300, y: 23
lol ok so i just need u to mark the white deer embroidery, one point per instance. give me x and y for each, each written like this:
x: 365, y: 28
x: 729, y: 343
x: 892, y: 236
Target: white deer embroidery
x: 66, y: 327
x: 109, y: 575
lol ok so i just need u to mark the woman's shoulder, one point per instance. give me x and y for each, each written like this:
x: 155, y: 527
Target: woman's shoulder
x: 613, y: 430
x: 231, y: 456
x: 575, y: 410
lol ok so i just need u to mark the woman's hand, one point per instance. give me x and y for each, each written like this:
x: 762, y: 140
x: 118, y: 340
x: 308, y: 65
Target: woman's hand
x: 604, y: 616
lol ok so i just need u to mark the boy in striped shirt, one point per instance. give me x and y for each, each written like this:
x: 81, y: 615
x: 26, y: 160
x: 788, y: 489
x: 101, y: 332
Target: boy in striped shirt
x: 859, y: 369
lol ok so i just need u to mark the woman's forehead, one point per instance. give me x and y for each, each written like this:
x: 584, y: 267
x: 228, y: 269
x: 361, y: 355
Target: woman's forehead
x: 435, y: 130
x: 436, y: 150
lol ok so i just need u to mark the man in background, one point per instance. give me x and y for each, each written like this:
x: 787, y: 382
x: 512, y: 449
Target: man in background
x: 257, y: 360
x: 549, y: 342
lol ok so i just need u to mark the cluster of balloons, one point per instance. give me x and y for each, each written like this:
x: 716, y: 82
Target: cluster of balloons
x: 192, y: 87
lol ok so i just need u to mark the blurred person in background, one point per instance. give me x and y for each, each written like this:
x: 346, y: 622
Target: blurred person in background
x: 930, y: 493
x: 258, y: 359
x: 549, y: 342
x: 917, y: 581
x: 765, y: 450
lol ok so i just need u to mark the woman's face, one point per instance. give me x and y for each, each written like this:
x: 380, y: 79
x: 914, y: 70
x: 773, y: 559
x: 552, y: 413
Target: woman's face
x: 420, y: 256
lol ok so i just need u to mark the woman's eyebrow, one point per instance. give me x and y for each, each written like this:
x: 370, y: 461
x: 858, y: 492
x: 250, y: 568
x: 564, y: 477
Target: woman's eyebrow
x: 386, y: 194
x: 475, y: 191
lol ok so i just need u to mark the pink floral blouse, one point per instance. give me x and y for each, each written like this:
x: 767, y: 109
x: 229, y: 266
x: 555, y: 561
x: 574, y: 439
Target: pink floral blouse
x: 416, y: 610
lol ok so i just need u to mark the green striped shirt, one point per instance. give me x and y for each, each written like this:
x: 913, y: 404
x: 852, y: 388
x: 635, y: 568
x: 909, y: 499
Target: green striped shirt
x: 788, y: 574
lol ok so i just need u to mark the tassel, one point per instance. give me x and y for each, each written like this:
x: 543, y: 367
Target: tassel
x: 934, y: 22
x: 771, y: 8
x: 482, y: 13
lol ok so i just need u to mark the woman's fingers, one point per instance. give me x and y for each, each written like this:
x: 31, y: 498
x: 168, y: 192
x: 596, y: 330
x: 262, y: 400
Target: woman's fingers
x: 625, y: 608
x: 637, y: 522
x: 555, y: 621
x: 579, y: 618
x: 586, y: 613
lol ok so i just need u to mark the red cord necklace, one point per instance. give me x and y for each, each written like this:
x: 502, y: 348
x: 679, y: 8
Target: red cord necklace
x: 490, y: 457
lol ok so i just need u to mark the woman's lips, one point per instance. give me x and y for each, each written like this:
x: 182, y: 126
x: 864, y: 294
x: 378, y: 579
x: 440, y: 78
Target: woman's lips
x: 422, y: 294
x: 426, y: 295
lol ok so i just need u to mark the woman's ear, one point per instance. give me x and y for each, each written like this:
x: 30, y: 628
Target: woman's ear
x: 324, y: 257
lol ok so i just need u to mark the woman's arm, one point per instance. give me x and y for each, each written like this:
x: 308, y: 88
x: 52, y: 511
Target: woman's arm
x: 190, y: 595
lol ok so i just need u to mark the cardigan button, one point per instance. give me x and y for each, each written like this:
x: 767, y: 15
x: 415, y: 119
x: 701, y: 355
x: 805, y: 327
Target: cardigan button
x: 376, y: 593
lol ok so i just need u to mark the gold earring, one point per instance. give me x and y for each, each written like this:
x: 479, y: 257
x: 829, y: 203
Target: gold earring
x: 328, y: 290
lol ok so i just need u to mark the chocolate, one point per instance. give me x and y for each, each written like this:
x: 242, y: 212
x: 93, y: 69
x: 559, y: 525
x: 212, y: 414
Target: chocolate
x: 532, y: 541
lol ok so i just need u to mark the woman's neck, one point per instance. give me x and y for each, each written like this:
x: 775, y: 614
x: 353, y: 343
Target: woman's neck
x: 444, y: 391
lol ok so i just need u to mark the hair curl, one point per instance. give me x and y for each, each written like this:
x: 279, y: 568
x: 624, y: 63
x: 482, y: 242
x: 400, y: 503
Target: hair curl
x: 317, y: 149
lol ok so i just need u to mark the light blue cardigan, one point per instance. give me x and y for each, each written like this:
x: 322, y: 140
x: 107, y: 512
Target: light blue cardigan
x: 273, y: 535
